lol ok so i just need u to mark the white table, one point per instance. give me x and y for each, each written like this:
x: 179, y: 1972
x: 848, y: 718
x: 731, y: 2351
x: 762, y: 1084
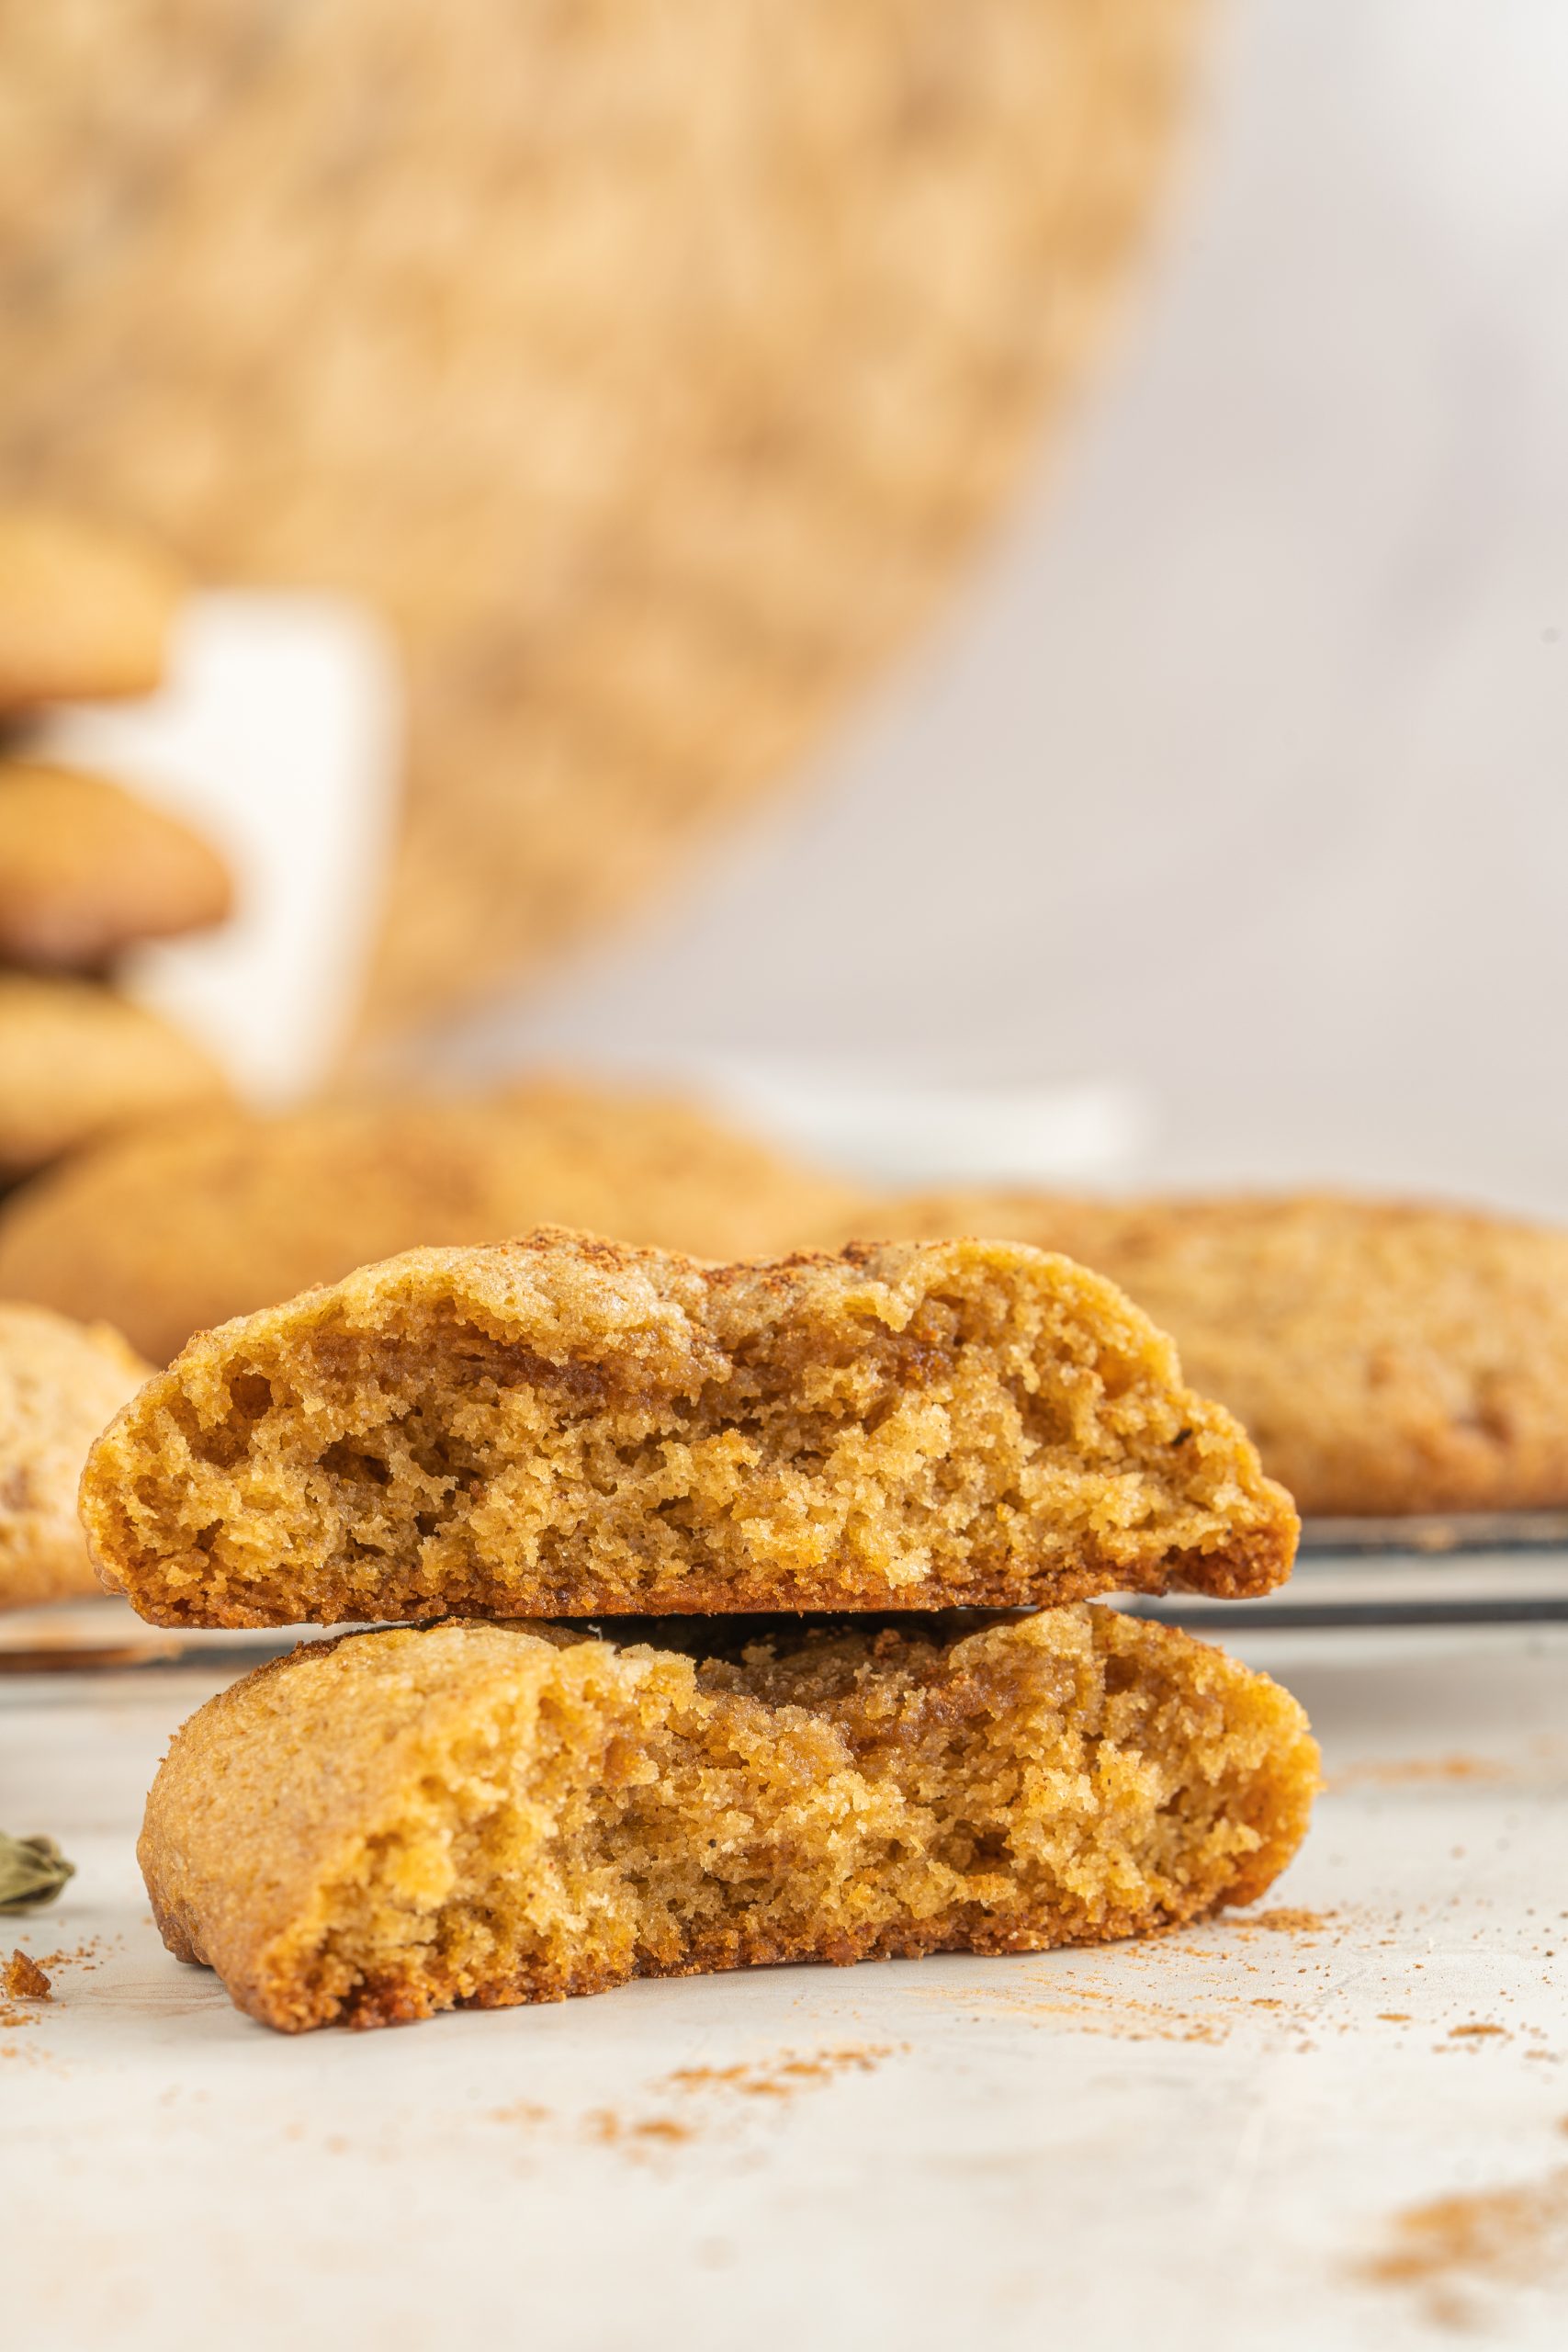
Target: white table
x: 1196, y: 2139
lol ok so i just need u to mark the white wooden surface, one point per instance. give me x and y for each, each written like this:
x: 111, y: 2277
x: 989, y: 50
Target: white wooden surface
x: 1197, y: 2139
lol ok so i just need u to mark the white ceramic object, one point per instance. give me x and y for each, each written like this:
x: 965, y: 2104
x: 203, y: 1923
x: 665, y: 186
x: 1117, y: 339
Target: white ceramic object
x: 922, y: 1132
x: 278, y: 734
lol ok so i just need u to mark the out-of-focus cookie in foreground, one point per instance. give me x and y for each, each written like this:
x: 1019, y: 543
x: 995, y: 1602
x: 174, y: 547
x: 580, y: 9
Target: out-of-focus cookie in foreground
x: 173, y: 1229
x: 477, y: 1816
x: 59, y: 1384
x: 86, y: 611
x: 563, y: 1426
x: 1386, y: 1357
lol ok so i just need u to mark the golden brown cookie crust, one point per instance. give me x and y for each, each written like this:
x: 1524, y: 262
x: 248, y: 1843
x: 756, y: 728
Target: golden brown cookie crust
x: 1386, y: 1356
x: 59, y: 1384
x: 77, y: 1061
x: 216, y: 1214
x: 474, y: 1815
x: 564, y: 1426
x: 87, y: 869
x: 86, y: 612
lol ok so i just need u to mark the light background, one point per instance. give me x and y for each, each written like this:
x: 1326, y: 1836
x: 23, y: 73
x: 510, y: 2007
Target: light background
x: 1241, y: 773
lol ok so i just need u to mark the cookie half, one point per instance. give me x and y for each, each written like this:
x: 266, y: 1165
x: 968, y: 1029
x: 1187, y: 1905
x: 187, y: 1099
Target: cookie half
x: 475, y: 1815
x: 561, y: 1425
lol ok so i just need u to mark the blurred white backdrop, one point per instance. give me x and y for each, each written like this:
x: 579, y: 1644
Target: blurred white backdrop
x: 1238, y: 782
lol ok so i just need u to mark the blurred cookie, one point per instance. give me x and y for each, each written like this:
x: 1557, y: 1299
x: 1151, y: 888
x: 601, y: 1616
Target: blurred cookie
x: 85, y: 612
x: 76, y: 1060
x: 61, y: 1384
x: 87, y: 869
x: 756, y: 356
x: 1384, y: 1357
x: 180, y: 1226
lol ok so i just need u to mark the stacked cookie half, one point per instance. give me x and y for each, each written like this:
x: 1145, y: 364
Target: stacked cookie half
x: 742, y: 1613
x: 87, y: 869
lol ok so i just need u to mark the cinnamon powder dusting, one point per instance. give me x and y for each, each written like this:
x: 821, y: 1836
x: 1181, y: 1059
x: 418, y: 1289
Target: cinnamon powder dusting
x: 1452, y: 2247
x: 1288, y: 1922
x: 780, y: 2077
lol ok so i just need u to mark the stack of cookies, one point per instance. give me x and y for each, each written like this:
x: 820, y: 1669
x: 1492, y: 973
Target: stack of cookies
x: 87, y: 870
x: 718, y: 1615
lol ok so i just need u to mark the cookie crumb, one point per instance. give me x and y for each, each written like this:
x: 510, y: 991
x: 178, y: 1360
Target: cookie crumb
x: 23, y: 1979
x: 1289, y: 1922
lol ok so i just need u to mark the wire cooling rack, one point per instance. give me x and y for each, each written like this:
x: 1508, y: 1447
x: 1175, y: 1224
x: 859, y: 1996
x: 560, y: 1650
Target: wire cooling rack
x: 1486, y: 1569
x: 1476, y: 1568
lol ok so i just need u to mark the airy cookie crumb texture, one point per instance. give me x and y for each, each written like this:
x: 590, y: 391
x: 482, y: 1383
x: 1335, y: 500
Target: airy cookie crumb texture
x: 478, y: 1815
x: 563, y: 1426
x: 1385, y: 1355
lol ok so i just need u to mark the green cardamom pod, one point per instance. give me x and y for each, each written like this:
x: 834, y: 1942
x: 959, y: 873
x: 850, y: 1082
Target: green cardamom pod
x: 32, y: 1871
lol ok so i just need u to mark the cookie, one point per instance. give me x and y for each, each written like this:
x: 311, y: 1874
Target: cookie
x: 87, y: 870
x: 1386, y: 1357
x: 168, y: 1232
x: 76, y: 1060
x: 86, y: 612
x: 476, y: 1816
x: 564, y: 1426
x: 754, y: 355
x: 61, y: 1382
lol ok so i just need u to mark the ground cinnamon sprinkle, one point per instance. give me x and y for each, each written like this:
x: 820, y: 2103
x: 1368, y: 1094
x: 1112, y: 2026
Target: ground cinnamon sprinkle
x: 1406, y: 1770
x: 780, y: 2077
x: 775, y: 2078
x: 609, y: 2128
x: 1497, y: 2237
x: 23, y: 1979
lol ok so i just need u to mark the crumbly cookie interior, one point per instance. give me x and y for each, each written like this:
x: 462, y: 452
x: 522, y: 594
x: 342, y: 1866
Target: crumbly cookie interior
x: 1006, y: 1443
x: 588, y: 1814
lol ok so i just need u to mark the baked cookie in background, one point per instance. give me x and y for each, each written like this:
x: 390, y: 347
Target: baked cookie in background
x: 77, y: 1060
x: 87, y: 870
x: 175, y: 1227
x: 59, y: 1384
x: 1386, y: 1357
x: 656, y: 409
x: 565, y: 1426
x: 318, y: 1836
x: 86, y: 611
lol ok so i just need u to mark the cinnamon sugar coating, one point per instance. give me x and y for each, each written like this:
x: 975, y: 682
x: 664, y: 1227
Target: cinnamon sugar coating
x: 172, y: 1228
x: 474, y: 1815
x: 561, y: 1425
